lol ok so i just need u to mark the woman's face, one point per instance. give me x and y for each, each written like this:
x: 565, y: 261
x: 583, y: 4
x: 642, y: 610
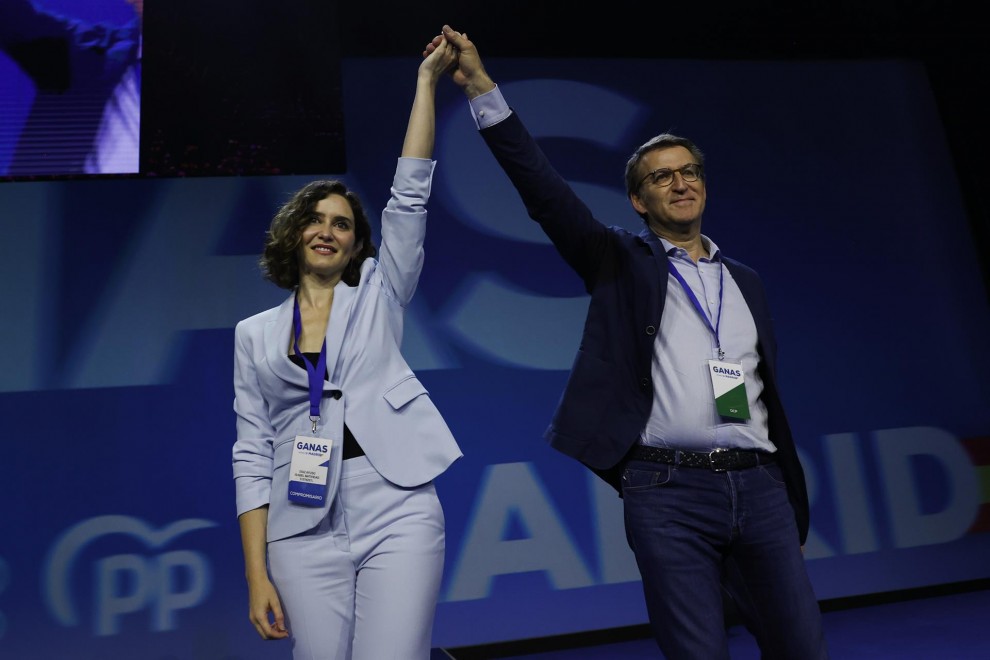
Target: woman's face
x: 328, y: 240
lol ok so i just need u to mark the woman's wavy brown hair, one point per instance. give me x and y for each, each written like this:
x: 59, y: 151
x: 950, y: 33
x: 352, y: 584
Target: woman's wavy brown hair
x: 280, y: 259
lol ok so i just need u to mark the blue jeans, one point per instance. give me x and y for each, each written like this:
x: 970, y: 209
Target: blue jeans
x: 695, y: 532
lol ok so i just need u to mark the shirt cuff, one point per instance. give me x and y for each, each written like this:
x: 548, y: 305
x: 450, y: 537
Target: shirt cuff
x: 411, y: 185
x: 489, y: 108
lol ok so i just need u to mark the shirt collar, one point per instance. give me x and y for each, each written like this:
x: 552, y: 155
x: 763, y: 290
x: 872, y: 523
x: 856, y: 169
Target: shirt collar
x: 674, y: 251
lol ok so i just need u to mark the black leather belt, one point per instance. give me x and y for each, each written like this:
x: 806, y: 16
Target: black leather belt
x: 718, y: 460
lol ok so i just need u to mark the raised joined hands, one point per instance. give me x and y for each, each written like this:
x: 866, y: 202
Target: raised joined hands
x: 468, y: 72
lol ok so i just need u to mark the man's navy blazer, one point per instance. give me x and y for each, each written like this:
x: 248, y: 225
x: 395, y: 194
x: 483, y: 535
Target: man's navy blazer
x: 607, y: 400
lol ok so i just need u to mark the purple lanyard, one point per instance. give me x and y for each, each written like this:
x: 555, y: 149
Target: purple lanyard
x: 697, y: 303
x: 316, y: 373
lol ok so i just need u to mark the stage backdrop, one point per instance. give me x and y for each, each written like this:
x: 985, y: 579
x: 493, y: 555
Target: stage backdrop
x: 119, y: 299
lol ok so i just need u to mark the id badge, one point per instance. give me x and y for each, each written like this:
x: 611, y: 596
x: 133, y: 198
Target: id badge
x: 308, y: 470
x: 729, y: 386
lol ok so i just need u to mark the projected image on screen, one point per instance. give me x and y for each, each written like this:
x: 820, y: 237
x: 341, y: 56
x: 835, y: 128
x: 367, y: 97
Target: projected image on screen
x: 168, y: 88
x: 72, y: 75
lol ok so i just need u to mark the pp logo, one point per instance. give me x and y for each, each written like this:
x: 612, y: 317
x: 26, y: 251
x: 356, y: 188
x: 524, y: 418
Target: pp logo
x: 161, y: 582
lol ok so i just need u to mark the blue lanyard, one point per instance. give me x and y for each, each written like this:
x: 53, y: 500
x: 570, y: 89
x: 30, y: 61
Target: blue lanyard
x: 316, y: 373
x: 697, y: 303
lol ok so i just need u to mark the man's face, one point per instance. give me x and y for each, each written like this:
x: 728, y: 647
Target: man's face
x: 679, y: 204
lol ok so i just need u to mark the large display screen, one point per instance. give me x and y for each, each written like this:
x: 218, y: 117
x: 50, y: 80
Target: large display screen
x: 831, y: 178
x: 168, y: 88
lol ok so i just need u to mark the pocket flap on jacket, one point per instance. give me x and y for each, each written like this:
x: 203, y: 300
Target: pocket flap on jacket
x: 404, y: 391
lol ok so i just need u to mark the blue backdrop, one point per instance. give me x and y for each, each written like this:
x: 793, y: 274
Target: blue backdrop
x: 119, y: 298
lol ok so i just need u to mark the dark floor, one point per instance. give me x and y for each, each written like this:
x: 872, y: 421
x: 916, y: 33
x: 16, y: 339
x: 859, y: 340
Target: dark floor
x: 948, y: 623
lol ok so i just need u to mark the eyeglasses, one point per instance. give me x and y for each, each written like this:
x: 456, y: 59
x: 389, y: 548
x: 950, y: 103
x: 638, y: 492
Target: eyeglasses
x: 663, y: 177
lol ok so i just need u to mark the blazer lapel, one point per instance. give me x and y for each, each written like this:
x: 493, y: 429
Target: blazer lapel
x: 340, y: 314
x: 277, y: 336
x: 278, y: 333
x: 661, y: 260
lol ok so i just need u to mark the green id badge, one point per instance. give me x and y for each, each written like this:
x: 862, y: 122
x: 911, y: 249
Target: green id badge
x: 729, y: 386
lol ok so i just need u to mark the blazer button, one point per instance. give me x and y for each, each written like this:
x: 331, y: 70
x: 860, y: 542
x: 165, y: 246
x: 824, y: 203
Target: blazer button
x: 651, y: 330
x: 645, y: 383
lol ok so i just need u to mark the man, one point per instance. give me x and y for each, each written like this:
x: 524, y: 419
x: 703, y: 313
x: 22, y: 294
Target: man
x: 673, y: 395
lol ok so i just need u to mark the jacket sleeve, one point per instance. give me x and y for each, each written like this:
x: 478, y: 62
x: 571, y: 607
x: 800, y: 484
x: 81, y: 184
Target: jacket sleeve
x: 253, y: 452
x: 404, y: 228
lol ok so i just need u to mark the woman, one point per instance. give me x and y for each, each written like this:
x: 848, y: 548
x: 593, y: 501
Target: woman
x: 337, y: 441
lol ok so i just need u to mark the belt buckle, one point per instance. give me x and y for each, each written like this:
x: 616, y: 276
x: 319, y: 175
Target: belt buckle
x: 711, y: 459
